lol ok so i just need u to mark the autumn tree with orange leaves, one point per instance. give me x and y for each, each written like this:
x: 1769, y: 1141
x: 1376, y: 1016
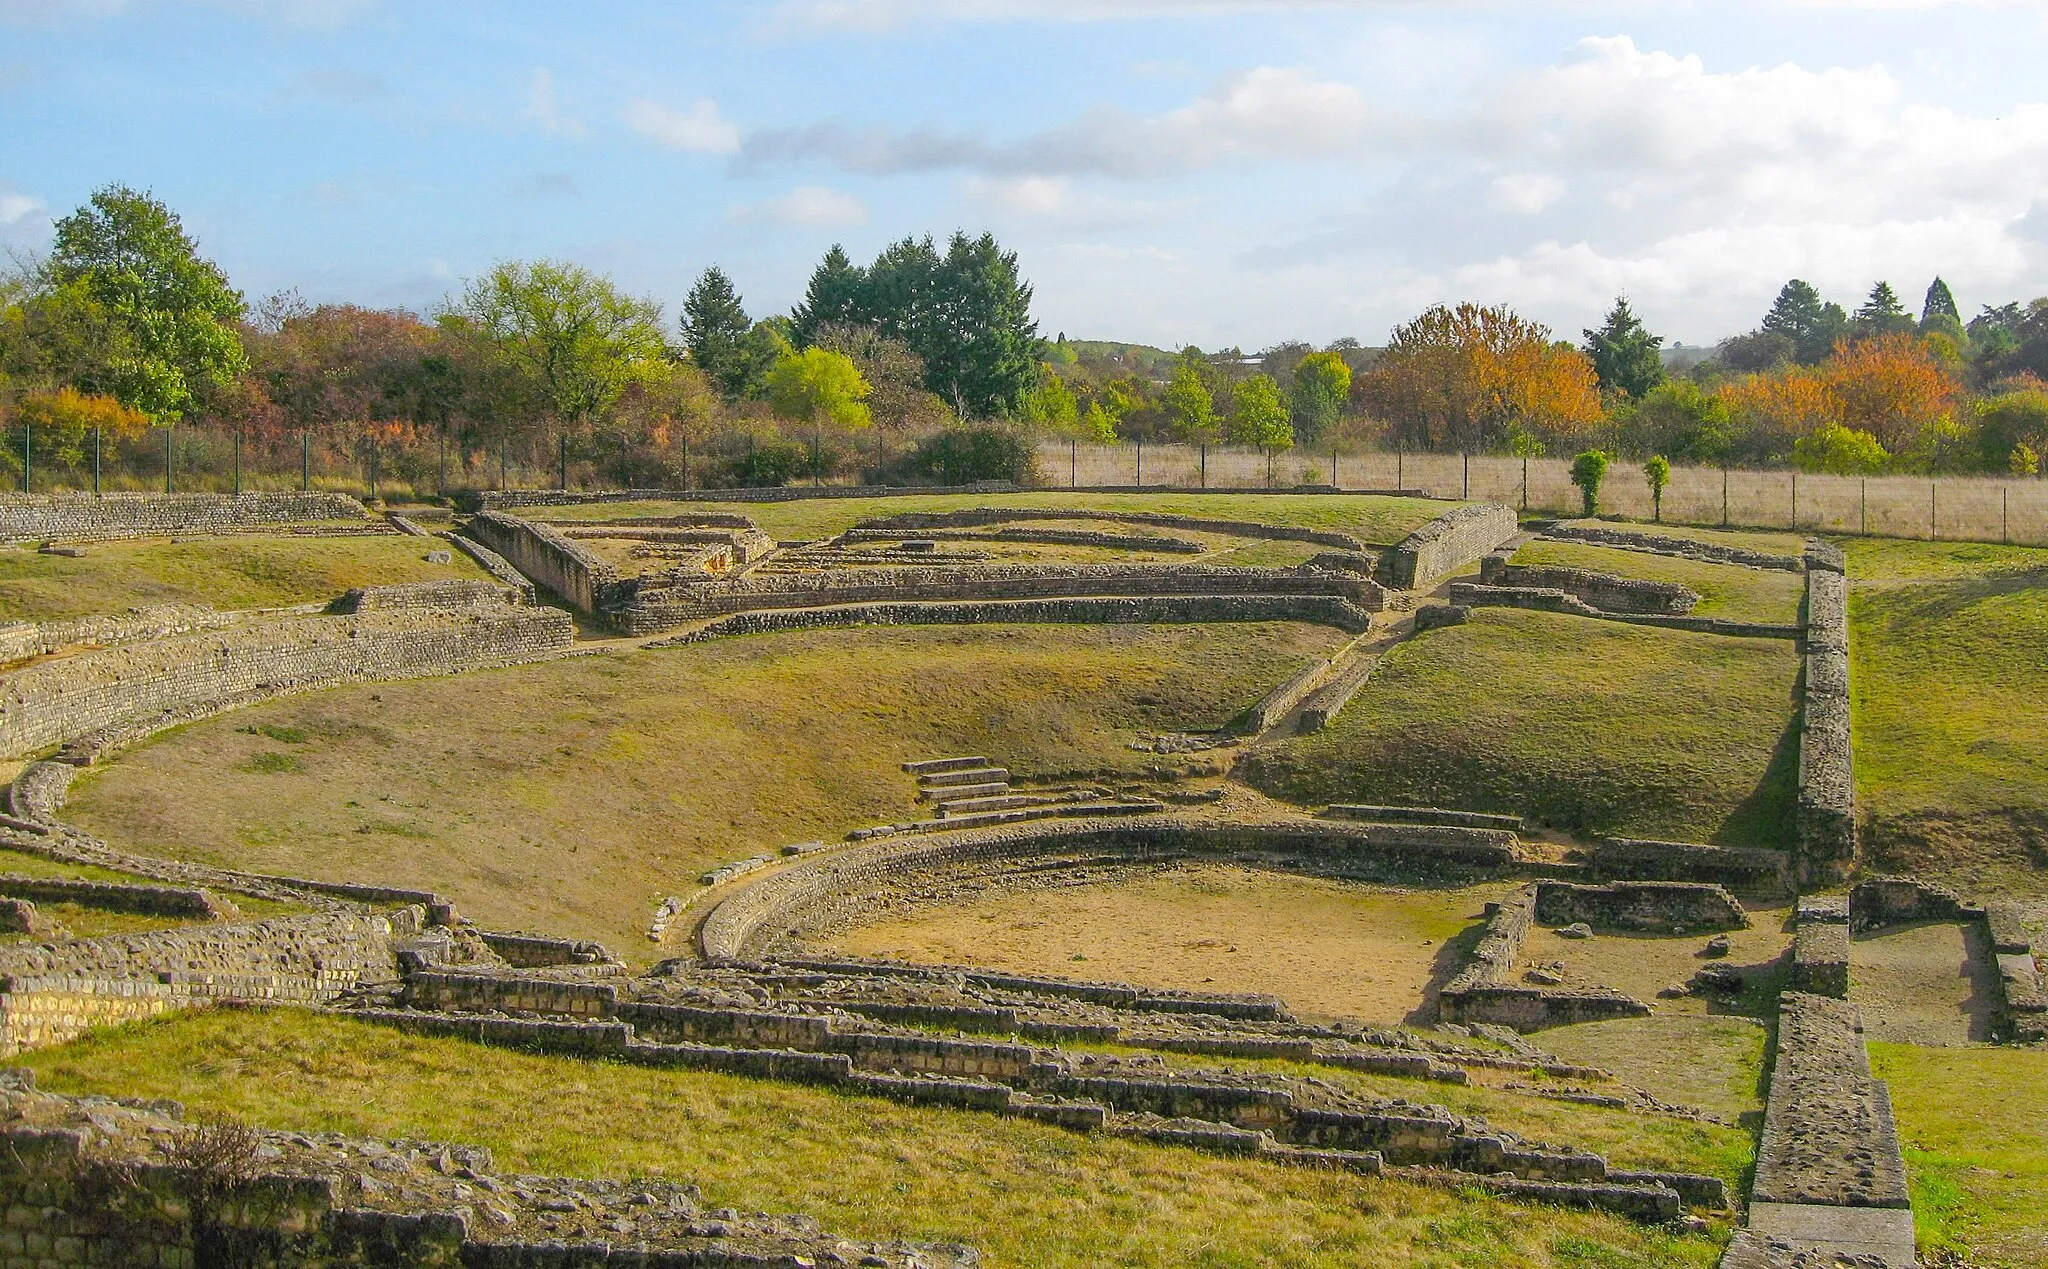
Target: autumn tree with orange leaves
x: 1891, y: 388
x: 1461, y: 378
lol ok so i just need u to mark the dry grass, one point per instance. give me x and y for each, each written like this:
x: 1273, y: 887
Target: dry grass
x: 1026, y: 1194
x: 1590, y: 726
x: 1712, y: 1061
x: 1725, y: 590
x: 1372, y: 519
x: 570, y: 797
x: 234, y: 571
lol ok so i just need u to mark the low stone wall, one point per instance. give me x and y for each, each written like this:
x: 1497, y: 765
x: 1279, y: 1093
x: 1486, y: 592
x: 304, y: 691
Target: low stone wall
x: 53, y: 992
x: 1446, y: 544
x: 1825, y: 820
x: 1552, y: 599
x: 1347, y: 677
x: 497, y: 498
x: 1602, y: 590
x: 496, y: 565
x: 1422, y: 815
x: 52, y: 701
x: 971, y: 517
x: 1043, y: 537
x: 1666, y: 544
x: 1639, y: 905
x: 114, y: 896
x: 1159, y: 610
x: 539, y: 551
x: 1484, y: 991
x: 657, y: 608
x: 1644, y: 859
x: 820, y: 889
x: 1828, y: 1135
x: 155, y: 621
x: 1282, y: 700
x: 84, y: 517
x: 451, y: 592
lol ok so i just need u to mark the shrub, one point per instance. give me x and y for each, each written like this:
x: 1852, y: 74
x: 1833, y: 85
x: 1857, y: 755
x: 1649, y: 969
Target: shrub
x: 988, y: 451
x: 767, y: 462
x: 1658, y: 472
x: 1588, y: 470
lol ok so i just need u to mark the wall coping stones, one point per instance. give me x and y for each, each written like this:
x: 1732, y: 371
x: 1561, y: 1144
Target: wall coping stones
x: 1423, y: 815
x: 552, y: 559
x: 1452, y: 540
x: 1828, y: 1135
x: 970, y: 517
x: 78, y: 516
x: 1152, y: 610
x: 1666, y: 544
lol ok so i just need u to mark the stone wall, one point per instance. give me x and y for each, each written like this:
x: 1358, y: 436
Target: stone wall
x: 496, y: 565
x: 1825, y: 819
x: 1553, y: 599
x: 1158, y: 610
x: 154, y: 621
x: 1828, y: 1135
x: 79, y: 517
x: 450, y: 592
x: 1042, y: 537
x: 52, y: 701
x: 1639, y: 905
x: 656, y: 609
x: 972, y: 517
x: 1669, y: 544
x: 53, y: 992
x: 562, y: 565
x: 820, y: 889
x: 1602, y: 590
x: 1484, y: 990
x: 498, y: 498
x: 1446, y: 544
x: 1643, y: 859
x: 115, y: 896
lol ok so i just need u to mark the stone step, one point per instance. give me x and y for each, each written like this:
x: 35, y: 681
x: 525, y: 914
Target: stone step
x: 929, y: 766
x: 1002, y: 802
x: 964, y: 775
x: 964, y: 792
x: 1422, y: 815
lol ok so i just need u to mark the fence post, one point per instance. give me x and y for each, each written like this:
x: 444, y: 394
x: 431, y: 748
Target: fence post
x: 1724, y: 495
x: 1863, y: 507
x: 1932, y: 530
x: 1333, y: 467
x: 167, y: 456
x: 563, y: 447
x: 441, y: 478
x: 504, y: 445
x: 1205, y: 464
x: 1141, y: 462
x: 373, y: 469
x: 25, y: 430
x: 2003, y: 538
x: 1400, y: 468
x: 95, y: 460
x: 1074, y: 464
x: 238, y: 460
x: 1525, y: 482
x: 306, y: 460
x: 1795, y: 499
x: 1468, y: 475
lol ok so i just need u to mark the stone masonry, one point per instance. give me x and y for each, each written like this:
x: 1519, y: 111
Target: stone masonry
x: 1446, y: 544
x: 76, y: 517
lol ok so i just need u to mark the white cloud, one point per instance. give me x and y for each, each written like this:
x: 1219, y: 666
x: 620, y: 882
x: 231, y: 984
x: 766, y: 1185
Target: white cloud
x: 1526, y: 193
x: 698, y: 130
x: 544, y: 111
x: 804, y: 205
x: 16, y: 208
x: 326, y: 15
x: 826, y: 16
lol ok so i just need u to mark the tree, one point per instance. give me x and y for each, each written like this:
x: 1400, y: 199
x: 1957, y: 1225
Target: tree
x: 1938, y: 310
x: 1678, y: 417
x: 1624, y: 353
x: 2024, y: 460
x: 1261, y: 418
x: 1320, y: 390
x: 1190, y: 409
x: 1051, y: 405
x: 572, y: 337
x: 1893, y: 387
x: 1812, y: 324
x: 1588, y: 470
x: 1658, y: 472
x: 817, y: 386
x: 716, y: 331
x: 58, y: 422
x: 2009, y: 421
x: 1458, y: 378
x: 1882, y: 313
x: 177, y: 315
x: 832, y: 298
x: 1839, y: 451
x: 1758, y: 350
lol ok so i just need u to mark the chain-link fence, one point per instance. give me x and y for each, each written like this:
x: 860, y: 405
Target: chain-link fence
x: 1965, y: 508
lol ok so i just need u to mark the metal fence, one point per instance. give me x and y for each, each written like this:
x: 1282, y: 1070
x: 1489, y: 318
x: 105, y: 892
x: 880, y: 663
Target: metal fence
x: 1956, y: 508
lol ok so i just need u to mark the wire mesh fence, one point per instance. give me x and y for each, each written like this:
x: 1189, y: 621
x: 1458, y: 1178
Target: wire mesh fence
x: 1955, y: 508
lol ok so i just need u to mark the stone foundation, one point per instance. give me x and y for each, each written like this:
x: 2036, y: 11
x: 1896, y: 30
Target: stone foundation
x: 1447, y: 544
x: 85, y: 517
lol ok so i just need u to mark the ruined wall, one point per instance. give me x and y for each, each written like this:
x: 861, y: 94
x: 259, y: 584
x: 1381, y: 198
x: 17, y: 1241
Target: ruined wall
x: 498, y: 498
x: 1644, y: 859
x: 820, y: 889
x: 1828, y: 1134
x: 1825, y: 819
x: 53, y: 992
x: 1552, y: 599
x: 450, y: 592
x: 1446, y: 544
x: 1159, y: 610
x: 80, y: 517
x: 972, y: 517
x: 1667, y: 544
x: 540, y: 552
x: 1601, y: 590
x: 52, y: 701
x: 1639, y: 905
x: 1485, y: 990
x: 495, y: 564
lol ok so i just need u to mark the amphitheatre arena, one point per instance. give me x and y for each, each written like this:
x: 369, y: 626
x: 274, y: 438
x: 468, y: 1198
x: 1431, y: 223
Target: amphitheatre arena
x: 984, y: 876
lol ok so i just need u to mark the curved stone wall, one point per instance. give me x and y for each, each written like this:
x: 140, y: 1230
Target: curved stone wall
x: 1107, y: 610
x: 973, y: 517
x: 84, y: 517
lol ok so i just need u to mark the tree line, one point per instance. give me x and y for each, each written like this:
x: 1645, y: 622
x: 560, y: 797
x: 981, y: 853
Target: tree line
x: 926, y: 365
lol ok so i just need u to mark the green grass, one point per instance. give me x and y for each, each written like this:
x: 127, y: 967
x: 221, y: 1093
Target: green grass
x: 1591, y: 726
x: 1748, y: 539
x: 238, y: 571
x: 572, y: 796
x: 1372, y: 519
x: 1725, y: 590
x: 1026, y: 1194
x: 1951, y: 721
x: 1974, y: 1124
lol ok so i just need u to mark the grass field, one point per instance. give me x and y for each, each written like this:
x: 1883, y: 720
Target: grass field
x: 1590, y: 726
x: 234, y: 571
x: 1712, y: 1061
x: 1026, y: 1194
x: 1725, y: 590
x: 1764, y: 540
x: 570, y: 797
x: 1951, y: 719
x: 1974, y: 1125
x: 1372, y: 519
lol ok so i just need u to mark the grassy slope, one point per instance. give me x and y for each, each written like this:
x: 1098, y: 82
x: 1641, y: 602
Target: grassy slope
x: 1738, y: 594
x: 1025, y: 1193
x: 1951, y: 723
x: 1381, y: 520
x: 1749, y: 539
x: 571, y: 796
x: 240, y: 571
x: 1588, y: 725
x: 1980, y: 1179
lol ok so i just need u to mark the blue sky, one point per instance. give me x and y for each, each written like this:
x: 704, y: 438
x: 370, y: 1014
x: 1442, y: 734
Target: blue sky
x: 1170, y: 171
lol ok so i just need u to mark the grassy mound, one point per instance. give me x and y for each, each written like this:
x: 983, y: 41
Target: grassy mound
x: 1593, y: 727
x: 1951, y: 722
x: 1975, y: 1130
x: 572, y: 796
x: 1369, y: 518
x: 1025, y: 1193
x: 238, y: 571
x: 1725, y: 590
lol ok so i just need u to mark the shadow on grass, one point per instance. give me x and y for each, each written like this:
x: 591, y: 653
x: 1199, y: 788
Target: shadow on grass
x: 1455, y: 954
x: 1764, y: 817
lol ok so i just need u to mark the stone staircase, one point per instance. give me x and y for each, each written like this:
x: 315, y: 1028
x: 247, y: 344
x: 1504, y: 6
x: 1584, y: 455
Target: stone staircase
x: 976, y: 786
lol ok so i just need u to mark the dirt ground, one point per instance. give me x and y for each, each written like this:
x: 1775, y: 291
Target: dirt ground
x: 1644, y: 964
x: 1928, y: 983
x: 1332, y: 949
x: 1690, y: 1059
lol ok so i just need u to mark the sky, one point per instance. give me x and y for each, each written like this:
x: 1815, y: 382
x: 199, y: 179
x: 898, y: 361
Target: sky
x: 1214, y: 172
